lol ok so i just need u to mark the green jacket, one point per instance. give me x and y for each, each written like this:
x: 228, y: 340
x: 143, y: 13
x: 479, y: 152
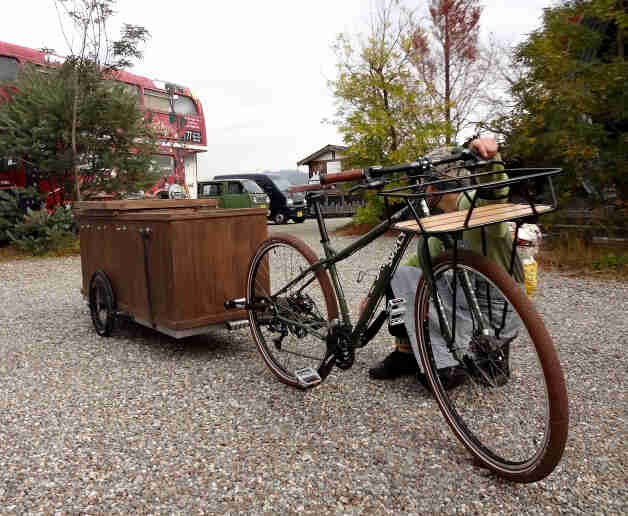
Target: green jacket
x: 498, y: 237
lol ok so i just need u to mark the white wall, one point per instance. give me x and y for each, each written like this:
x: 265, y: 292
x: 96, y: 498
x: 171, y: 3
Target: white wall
x: 191, y: 171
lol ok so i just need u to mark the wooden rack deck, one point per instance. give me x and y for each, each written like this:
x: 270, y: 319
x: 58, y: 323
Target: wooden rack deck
x: 481, y: 216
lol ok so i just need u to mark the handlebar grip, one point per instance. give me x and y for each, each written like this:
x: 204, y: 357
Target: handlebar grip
x: 340, y: 177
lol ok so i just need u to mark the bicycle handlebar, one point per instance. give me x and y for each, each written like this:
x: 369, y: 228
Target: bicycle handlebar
x: 417, y: 167
x: 340, y: 177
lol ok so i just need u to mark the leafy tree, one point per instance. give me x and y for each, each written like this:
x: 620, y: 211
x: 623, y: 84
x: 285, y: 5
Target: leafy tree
x: 571, y: 107
x: 383, y: 111
x: 74, y: 119
x: 450, y: 62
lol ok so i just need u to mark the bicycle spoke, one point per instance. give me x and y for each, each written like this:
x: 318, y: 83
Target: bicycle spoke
x: 291, y: 328
x: 501, y: 410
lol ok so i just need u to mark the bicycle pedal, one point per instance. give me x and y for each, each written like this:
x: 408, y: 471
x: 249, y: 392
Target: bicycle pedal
x: 307, y: 377
x: 396, y: 311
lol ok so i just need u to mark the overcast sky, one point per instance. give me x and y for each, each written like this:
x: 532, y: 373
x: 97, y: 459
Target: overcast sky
x: 259, y: 67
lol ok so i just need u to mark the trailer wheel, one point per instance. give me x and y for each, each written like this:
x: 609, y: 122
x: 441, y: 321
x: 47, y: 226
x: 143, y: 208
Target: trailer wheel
x: 102, y: 303
x: 280, y: 218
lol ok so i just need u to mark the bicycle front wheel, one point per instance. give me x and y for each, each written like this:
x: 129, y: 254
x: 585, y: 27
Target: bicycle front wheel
x: 510, y: 406
x: 290, y: 309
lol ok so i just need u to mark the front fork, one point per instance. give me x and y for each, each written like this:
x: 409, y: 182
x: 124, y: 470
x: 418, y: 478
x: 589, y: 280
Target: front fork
x: 448, y: 330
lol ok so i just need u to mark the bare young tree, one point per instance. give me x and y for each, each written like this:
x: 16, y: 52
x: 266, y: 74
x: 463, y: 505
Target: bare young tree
x: 382, y: 109
x: 449, y: 60
x: 92, y: 55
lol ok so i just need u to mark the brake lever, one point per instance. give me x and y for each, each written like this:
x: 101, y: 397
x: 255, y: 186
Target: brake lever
x: 476, y: 163
x: 355, y: 188
x: 371, y: 185
x: 470, y: 158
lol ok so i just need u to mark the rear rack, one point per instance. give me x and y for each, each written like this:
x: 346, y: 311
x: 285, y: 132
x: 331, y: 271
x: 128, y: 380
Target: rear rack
x: 526, y: 207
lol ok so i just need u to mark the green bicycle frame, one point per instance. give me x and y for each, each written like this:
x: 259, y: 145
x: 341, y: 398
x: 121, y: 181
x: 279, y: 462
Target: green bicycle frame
x: 384, y: 276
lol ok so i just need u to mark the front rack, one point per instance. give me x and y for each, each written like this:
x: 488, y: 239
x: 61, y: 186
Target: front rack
x: 512, y: 207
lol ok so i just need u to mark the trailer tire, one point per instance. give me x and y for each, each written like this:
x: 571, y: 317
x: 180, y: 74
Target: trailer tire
x: 102, y: 303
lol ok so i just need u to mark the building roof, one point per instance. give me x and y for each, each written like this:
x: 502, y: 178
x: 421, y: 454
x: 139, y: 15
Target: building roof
x: 320, y: 152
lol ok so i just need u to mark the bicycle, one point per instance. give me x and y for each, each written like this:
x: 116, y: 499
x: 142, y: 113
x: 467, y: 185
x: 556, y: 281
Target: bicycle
x: 511, y: 411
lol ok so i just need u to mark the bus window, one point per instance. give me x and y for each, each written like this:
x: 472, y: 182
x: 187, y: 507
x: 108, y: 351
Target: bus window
x: 163, y: 164
x: 8, y: 68
x: 131, y: 89
x: 185, y: 106
x: 156, y: 100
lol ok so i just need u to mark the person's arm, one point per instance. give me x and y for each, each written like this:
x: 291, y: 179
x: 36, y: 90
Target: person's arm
x: 487, y: 148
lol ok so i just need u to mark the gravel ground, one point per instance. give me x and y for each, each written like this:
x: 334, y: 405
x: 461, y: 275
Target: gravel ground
x: 143, y: 423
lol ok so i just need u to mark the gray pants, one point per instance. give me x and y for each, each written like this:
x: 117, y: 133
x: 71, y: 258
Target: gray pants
x: 404, y: 285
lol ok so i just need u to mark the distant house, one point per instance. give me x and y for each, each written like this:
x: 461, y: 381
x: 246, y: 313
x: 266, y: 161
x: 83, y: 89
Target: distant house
x: 325, y: 160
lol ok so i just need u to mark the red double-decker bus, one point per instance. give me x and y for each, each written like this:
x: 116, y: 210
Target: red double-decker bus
x: 176, y: 115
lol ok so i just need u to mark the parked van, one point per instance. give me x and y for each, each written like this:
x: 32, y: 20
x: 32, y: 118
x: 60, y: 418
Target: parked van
x: 234, y: 193
x: 284, y: 205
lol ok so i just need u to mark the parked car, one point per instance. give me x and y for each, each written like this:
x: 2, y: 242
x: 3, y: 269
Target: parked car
x: 233, y: 193
x: 284, y: 205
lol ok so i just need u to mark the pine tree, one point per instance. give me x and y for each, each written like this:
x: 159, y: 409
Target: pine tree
x: 73, y: 124
x: 113, y: 142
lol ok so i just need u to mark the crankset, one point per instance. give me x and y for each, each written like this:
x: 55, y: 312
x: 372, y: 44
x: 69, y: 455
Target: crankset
x: 340, y: 346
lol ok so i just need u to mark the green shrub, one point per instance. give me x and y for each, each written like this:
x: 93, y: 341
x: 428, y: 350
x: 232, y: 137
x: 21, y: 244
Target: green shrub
x: 12, y: 205
x: 40, y: 232
x: 370, y: 214
x: 610, y: 261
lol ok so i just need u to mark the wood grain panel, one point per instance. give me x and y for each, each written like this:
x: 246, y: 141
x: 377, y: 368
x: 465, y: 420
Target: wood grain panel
x: 144, y: 204
x: 197, y: 259
x: 454, y: 221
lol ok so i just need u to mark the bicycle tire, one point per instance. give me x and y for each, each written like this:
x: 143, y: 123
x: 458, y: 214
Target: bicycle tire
x: 491, y: 375
x: 277, y: 261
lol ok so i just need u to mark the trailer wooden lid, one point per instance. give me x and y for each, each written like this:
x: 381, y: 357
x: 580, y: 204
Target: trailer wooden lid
x: 159, y: 210
x: 144, y: 204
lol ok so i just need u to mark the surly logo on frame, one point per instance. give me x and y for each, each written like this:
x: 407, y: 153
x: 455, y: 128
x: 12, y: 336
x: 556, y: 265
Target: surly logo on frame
x: 401, y: 239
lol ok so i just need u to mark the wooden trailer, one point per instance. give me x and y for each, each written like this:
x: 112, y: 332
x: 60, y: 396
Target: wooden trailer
x: 167, y: 264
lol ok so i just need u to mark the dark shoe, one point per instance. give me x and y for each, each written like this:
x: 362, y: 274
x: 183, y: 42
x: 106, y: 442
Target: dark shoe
x: 394, y: 365
x: 451, y: 377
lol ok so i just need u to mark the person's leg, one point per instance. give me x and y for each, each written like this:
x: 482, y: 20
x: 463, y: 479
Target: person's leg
x: 400, y: 362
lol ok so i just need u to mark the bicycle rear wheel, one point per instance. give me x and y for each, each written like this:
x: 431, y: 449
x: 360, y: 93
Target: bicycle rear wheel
x: 510, y: 410
x: 289, y: 319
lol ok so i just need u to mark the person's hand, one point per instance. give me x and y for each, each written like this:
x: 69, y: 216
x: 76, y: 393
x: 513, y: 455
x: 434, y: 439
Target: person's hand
x: 485, y: 146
